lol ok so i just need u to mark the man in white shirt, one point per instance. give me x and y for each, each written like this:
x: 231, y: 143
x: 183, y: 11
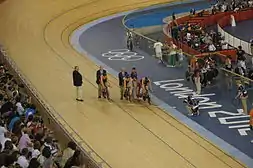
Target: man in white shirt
x: 3, y: 130
x: 158, y: 50
x: 211, y: 47
x: 22, y: 160
x: 20, y: 108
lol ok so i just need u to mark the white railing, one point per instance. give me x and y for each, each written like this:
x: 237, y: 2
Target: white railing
x: 235, y: 42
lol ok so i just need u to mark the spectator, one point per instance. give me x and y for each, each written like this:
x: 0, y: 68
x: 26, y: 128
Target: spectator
x: 8, y: 147
x: 46, y: 159
x: 34, y: 163
x: 49, y: 142
x: 20, y: 108
x: 36, y: 150
x: 75, y: 160
x: 23, y: 158
x: 211, y: 47
x: 68, y: 152
x: 25, y: 141
x: 3, y: 131
x: 241, y: 56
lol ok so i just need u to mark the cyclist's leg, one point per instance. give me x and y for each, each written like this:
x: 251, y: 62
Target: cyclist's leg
x: 99, y: 90
x: 189, y: 110
x: 126, y: 93
x: 134, y: 90
x: 130, y: 93
x: 107, y: 91
x: 148, y: 97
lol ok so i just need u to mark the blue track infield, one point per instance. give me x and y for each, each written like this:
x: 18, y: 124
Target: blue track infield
x: 155, y: 17
x: 243, y: 30
x: 108, y: 34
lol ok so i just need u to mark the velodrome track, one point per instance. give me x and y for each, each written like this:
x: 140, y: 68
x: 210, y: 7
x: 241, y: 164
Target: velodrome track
x: 35, y: 34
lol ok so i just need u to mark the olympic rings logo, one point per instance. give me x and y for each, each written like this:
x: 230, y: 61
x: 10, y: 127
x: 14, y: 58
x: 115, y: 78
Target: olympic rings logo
x: 122, y: 55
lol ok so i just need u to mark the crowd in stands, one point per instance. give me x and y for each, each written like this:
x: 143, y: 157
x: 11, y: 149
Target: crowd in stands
x: 202, y: 41
x: 25, y: 142
x: 231, y: 5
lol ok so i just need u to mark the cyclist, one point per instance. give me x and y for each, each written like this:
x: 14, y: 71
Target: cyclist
x: 105, y: 85
x: 134, y: 77
x: 145, y: 86
x: 128, y: 85
x: 130, y: 40
x: 192, y: 105
x: 121, y: 77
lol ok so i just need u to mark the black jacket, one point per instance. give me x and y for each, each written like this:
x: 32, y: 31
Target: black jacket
x: 77, y: 78
x: 121, y: 78
x: 99, y: 75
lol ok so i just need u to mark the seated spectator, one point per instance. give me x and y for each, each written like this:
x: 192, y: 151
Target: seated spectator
x: 20, y: 126
x: 207, y: 39
x: 20, y: 108
x: 36, y: 150
x: 25, y: 141
x: 240, y: 70
x: 3, y: 131
x: 13, y: 119
x: 46, y: 159
x: 23, y: 158
x: 240, y: 54
x: 51, y: 145
x: 75, y: 160
x: 68, y: 152
x: 34, y: 163
x: 224, y: 46
x: 211, y: 47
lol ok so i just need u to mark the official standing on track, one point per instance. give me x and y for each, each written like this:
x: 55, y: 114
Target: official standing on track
x: 122, y: 74
x: 78, y: 82
x: 99, y: 75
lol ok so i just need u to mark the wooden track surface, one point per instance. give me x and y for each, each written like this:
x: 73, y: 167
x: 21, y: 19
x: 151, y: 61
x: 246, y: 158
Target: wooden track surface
x: 36, y: 33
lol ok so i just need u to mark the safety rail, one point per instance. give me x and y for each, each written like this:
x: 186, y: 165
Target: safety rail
x: 91, y: 158
x: 141, y: 41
